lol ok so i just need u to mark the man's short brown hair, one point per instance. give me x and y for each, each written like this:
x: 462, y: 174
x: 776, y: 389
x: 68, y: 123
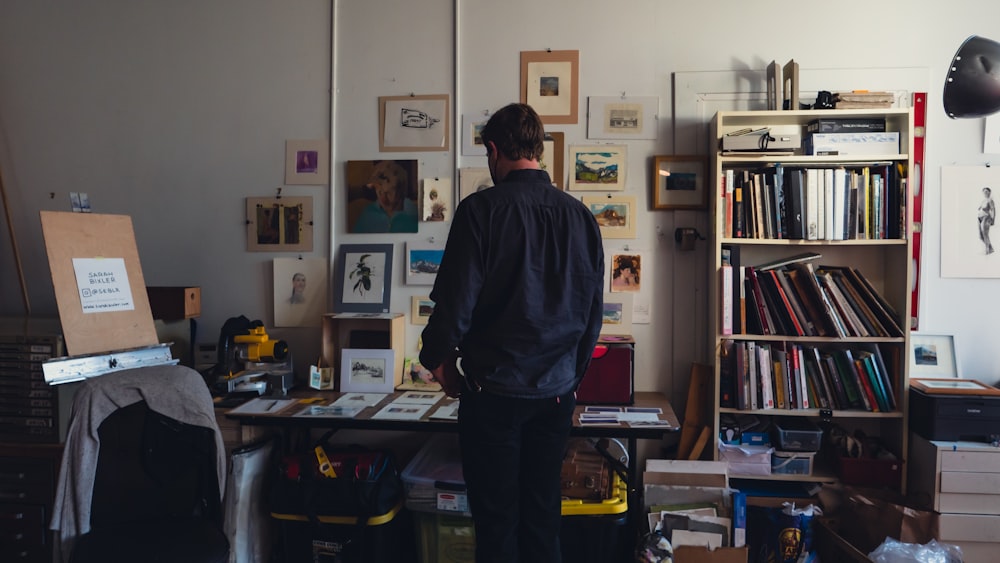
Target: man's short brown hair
x: 517, y: 132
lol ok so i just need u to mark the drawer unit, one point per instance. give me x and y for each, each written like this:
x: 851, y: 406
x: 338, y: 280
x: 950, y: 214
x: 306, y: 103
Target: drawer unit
x: 27, y: 490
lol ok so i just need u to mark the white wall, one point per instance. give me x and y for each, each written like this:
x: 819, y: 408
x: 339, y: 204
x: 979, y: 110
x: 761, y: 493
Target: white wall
x: 174, y: 112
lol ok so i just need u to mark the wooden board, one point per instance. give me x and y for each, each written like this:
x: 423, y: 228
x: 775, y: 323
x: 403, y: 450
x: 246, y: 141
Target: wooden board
x: 91, y: 235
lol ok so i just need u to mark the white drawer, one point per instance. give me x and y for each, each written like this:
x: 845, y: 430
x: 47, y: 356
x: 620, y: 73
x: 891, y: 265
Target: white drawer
x: 961, y: 482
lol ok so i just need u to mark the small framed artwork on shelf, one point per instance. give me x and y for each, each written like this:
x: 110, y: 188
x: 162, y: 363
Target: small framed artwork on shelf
x: 953, y: 386
x: 617, y: 316
x: 679, y: 182
x: 614, y: 214
x: 307, y: 162
x: 365, y: 370
x: 549, y: 84
x: 598, y: 167
x: 364, y: 278
x: 932, y: 356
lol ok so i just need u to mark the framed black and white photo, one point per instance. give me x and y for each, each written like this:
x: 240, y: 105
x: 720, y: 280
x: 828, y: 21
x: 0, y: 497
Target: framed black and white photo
x: 367, y: 370
x: 932, y: 356
x: 622, y: 117
x: 968, y: 215
x: 679, y: 182
x: 364, y: 279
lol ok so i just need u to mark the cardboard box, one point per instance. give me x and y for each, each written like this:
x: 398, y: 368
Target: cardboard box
x: 691, y: 554
x: 852, y: 143
x: 686, y: 473
x: 174, y: 303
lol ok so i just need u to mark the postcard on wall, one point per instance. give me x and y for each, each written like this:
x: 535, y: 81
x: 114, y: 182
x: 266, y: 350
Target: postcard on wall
x: 300, y: 291
x: 422, y: 262
x: 598, y: 167
x: 436, y: 205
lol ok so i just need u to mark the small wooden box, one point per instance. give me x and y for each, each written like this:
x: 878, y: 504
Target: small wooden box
x: 362, y: 330
x: 174, y: 303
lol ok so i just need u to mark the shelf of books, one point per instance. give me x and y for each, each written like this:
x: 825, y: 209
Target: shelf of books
x: 811, y: 284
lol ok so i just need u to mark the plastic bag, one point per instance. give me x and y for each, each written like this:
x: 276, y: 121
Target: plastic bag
x: 895, y: 551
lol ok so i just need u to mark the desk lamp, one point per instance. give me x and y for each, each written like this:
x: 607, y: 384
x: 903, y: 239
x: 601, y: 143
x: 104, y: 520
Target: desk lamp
x: 972, y: 88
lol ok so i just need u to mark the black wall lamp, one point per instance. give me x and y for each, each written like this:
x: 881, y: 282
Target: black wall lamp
x: 972, y: 88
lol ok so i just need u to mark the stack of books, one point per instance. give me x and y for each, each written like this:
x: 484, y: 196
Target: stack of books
x: 863, y: 99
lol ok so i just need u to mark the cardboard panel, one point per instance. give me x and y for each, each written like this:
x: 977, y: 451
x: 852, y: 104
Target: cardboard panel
x: 91, y: 235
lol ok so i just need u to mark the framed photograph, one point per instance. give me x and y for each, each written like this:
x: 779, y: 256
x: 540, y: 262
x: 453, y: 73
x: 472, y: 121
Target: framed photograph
x: 472, y: 126
x: 413, y: 123
x: 436, y: 204
x: 597, y: 167
x: 616, y: 215
x: 617, y: 317
x: 422, y: 262
x: 549, y: 84
x: 932, y: 356
x: 307, y: 162
x: 680, y: 182
x: 382, y: 196
x: 364, y: 279
x: 621, y: 117
x: 969, y: 197
x: 279, y: 224
x: 553, y: 156
x: 472, y: 180
x: 952, y: 386
x: 421, y: 308
x: 366, y: 370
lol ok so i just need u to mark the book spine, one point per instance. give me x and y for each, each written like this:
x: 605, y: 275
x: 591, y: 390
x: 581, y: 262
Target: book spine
x: 871, y: 402
x: 826, y: 216
x: 752, y: 398
x: 812, y: 196
x: 801, y: 372
x: 726, y: 273
x: 766, y: 380
x: 758, y: 297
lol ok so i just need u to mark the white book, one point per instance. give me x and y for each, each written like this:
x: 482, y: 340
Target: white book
x: 812, y: 204
x: 752, y: 371
x: 766, y: 379
x: 840, y: 203
x: 827, y: 229
x: 727, y: 298
x: 803, y: 387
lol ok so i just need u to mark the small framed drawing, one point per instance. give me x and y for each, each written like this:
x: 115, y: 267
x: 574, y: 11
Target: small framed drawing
x: 549, y: 84
x: 597, y: 167
x: 422, y: 262
x: 413, y: 123
x: 616, y: 215
x: 932, y: 356
x: 953, y: 386
x: 279, y: 224
x: 472, y: 180
x: 307, y: 162
x: 621, y: 117
x: 617, y: 317
x: 553, y: 155
x: 679, y: 182
x: 367, y: 370
x: 364, y: 279
x: 472, y: 126
x: 421, y: 308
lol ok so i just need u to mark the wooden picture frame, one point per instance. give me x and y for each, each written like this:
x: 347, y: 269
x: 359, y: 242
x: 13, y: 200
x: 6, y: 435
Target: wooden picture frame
x: 617, y: 315
x: 422, y: 262
x: 550, y: 84
x: 279, y: 224
x: 622, y: 117
x: 421, y: 308
x: 953, y: 386
x: 414, y: 123
x: 554, y: 156
x: 367, y: 370
x: 680, y: 182
x: 616, y: 214
x: 932, y: 356
x: 597, y: 168
x: 307, y: 162
x: 355, y: 264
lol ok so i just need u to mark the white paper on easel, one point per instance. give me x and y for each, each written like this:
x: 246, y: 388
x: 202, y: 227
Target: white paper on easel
x: 103, y: 285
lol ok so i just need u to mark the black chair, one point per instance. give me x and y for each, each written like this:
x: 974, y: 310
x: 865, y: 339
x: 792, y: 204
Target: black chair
x: 156, y: 495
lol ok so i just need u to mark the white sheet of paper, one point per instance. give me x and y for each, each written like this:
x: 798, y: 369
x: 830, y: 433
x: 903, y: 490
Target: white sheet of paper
x: 103, y: 285
x: 638, y: 417
x: 446, y: 412
x: 403, y: 411
x: 419, y: 398
x: 263, y: 406
x: 360, y: 399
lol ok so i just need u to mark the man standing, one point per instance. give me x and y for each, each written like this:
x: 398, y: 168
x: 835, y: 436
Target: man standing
x: 519, y: 294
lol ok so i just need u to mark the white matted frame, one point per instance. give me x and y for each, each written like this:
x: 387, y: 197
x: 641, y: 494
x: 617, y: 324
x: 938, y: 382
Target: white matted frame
x: 615, y: 214
x: 932, y: 356
x: 422, y: 262
x: 597, y: 167
x: 364, y: 282
x: 367, y: 370
x: 421, y: 308
x: 472, y: 126
x: 413, y: 123
x: 617, y: 316
x: 680, y: 182
x: 965, y: 242
x: 307, y: 162
x: 473, y: 179
x: 279, y: 224
x: 550, y: 84
x: 622, y: 117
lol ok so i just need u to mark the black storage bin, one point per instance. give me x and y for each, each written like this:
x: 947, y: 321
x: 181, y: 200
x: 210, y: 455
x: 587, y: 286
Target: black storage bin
x: 387, y: 538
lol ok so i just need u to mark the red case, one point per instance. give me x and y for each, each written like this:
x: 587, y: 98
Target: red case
x: 610, y: 376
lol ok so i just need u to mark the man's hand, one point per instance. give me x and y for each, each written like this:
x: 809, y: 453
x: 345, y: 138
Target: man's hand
x: 448, y: 376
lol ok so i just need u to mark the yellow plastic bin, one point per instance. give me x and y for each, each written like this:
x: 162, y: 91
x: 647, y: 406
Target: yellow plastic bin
x: 342, y: 539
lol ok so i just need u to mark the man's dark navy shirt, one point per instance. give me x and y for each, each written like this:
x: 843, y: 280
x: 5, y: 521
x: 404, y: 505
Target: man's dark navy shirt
x: 520, y: 289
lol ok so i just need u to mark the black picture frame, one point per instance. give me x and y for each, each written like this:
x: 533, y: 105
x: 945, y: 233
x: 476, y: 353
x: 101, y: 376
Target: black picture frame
x: 352, y: 293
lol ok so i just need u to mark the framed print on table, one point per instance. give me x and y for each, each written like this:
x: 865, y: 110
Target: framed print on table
x: 614, y: 214
x: 932, y: 356
x: 413, y: 123
x: 597, y: 167
x: 364, y: 281
x: 553, y: 155
x: 621, y: 117
x: 307, y: 162
x: 679, y: 182
x: 366, y: 370
x: 549, y: 84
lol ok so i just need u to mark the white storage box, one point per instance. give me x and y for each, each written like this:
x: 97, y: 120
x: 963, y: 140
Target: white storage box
x: 746, y: 460
x: 853, y: 143
x: 433, y: 479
